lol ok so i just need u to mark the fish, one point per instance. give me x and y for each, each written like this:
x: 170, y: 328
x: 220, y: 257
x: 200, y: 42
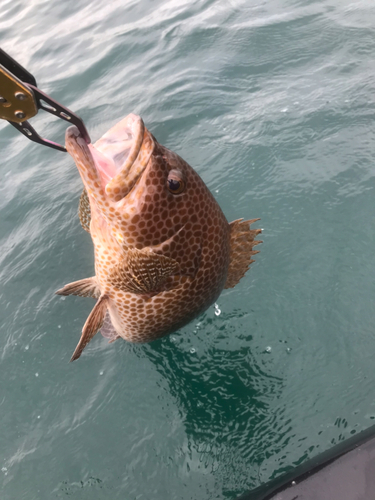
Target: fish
x: 164, y: 250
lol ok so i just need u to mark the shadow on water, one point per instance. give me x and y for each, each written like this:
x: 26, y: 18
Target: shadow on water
x: 225, y: 398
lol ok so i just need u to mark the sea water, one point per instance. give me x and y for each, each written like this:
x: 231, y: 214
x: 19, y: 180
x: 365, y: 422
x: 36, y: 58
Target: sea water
x: 272, y: 101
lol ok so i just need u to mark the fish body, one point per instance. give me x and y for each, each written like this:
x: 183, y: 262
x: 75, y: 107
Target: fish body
x: 164, y: 250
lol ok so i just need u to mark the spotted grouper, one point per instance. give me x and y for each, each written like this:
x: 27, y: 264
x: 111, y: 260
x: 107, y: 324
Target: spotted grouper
x: 164, y: 250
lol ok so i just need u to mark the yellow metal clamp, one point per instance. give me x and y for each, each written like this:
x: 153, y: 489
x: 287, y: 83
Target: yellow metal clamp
x: 17, y: 101
x: 20, y: 100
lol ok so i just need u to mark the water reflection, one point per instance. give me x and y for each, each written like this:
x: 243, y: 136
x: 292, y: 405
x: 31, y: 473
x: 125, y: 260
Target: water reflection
x: 225, y: 398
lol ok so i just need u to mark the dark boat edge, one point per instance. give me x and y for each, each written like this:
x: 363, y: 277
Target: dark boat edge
x: 309, y: 468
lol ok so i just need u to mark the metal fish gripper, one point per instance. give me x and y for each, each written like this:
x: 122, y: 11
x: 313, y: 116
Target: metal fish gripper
x: 21, y: 99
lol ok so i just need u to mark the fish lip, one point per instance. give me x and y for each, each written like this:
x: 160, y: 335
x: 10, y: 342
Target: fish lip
x: 112, y: 156
x: 72, y: 135
x: 81, y: 153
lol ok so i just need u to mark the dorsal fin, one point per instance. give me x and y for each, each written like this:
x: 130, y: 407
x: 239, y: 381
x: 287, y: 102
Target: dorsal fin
x: 143, y: 272
x: 87, y: 287
x: 242, y: 242
x: 84, y: 211
x: 93, y: 323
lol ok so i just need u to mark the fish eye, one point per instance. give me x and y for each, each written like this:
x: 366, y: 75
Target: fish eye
x: 175, y: 182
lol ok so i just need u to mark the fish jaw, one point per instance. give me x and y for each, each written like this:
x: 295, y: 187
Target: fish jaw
x: 111, y: 167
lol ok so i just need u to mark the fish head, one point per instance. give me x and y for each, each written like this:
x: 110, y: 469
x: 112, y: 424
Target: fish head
x: 141, y: 194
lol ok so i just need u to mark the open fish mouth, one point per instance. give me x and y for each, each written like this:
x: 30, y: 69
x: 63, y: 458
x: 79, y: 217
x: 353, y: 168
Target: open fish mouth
x: 116, y: 161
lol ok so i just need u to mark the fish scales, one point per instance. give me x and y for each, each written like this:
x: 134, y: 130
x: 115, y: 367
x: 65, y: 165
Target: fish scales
x: 164, y: 250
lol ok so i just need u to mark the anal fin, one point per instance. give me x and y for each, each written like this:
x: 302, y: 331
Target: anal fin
x: 242, y: 242
x: 108, y: 330
x: 87, y: 287
x: 93, y: 324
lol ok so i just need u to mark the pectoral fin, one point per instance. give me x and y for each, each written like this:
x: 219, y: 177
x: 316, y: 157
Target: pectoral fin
x: 93, y: 323
x: 242, y: 242
x: 87, y: 287
x: 143, y: 272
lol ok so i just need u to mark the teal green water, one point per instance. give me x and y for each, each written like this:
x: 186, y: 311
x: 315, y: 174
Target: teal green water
x: 272, y: 101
